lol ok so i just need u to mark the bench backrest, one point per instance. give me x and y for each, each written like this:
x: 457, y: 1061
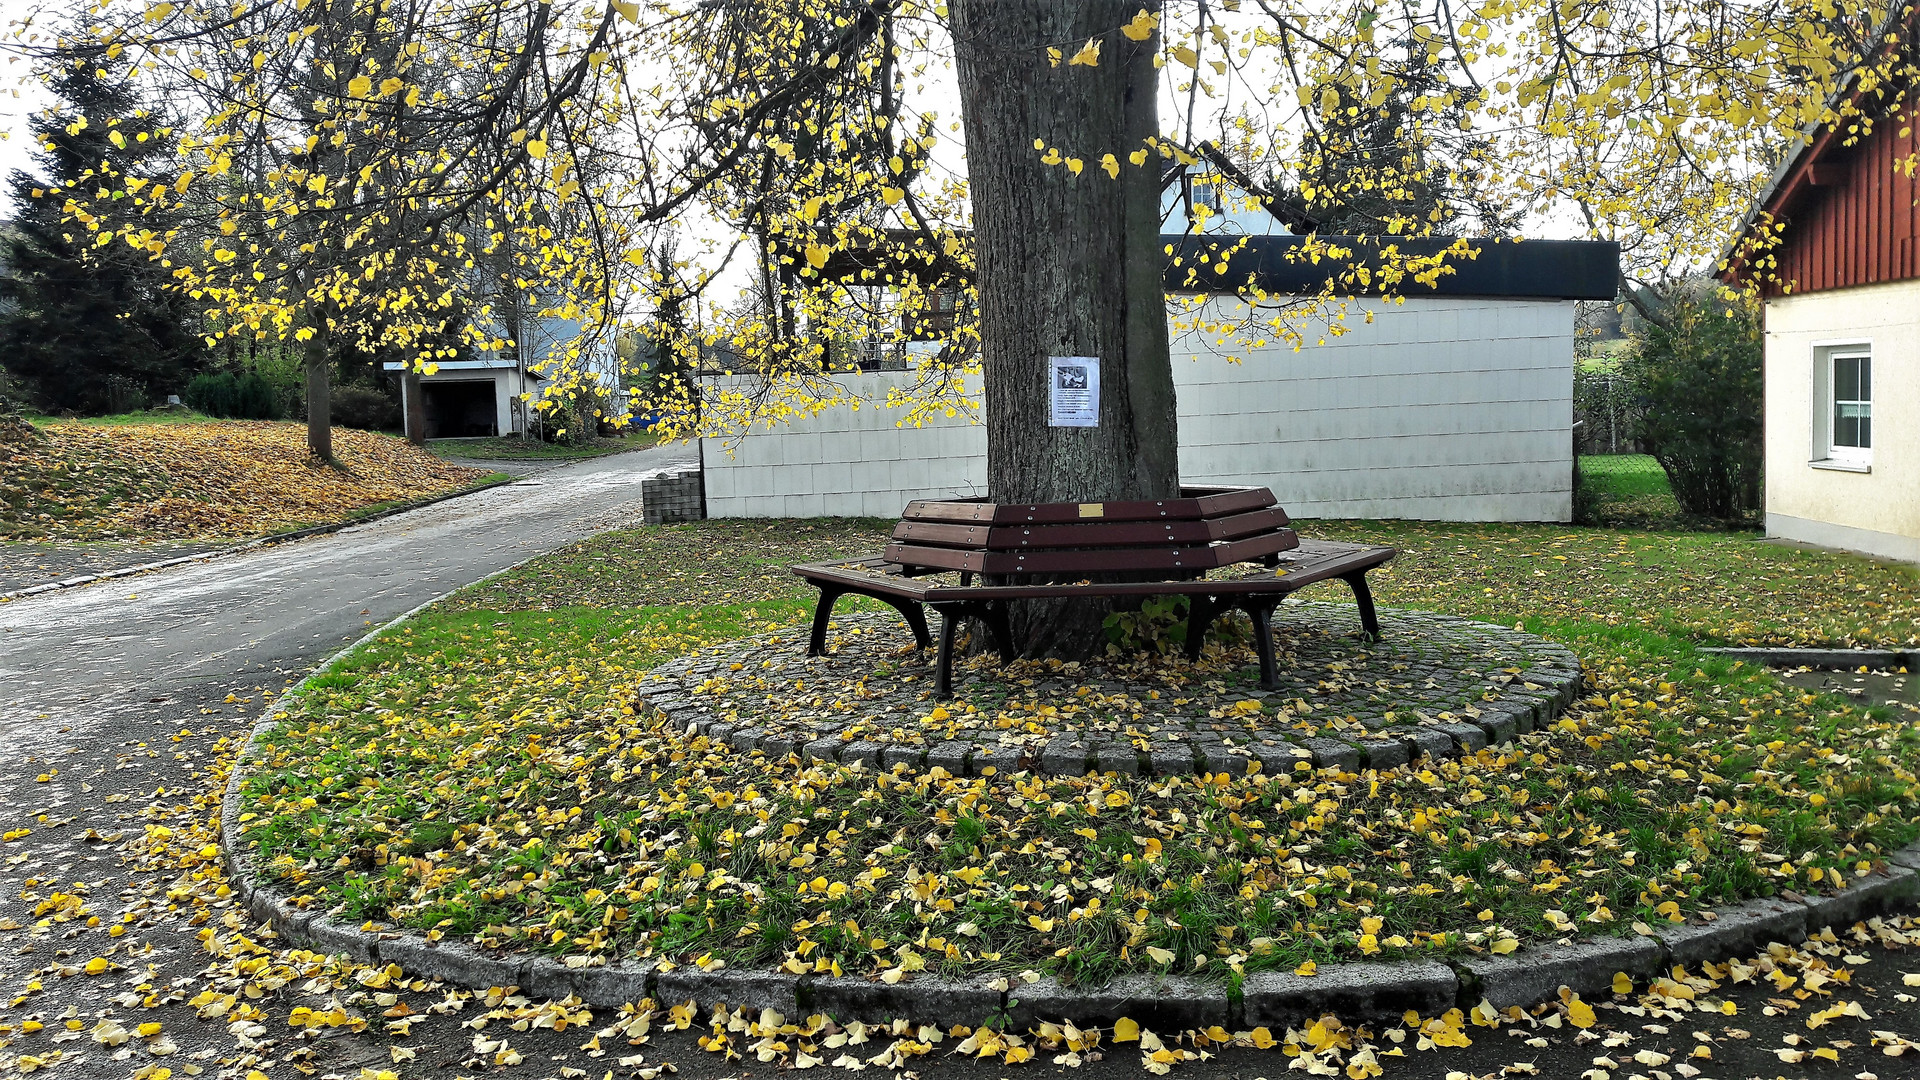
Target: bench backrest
x: 1203, y: 529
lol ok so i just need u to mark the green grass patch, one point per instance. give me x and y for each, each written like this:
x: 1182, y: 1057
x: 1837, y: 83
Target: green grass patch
x: 481, y: 772
x: 1624, y: 476
x: 517, y: 448
x: 1631, y: 490
x: 141, y: 417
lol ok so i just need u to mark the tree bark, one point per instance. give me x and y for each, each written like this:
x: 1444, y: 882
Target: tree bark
x: 319, y: 397
x: 1067, y: 265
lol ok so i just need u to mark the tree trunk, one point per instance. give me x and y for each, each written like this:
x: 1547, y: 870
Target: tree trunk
x: 1066, y: 265
x: 319, y: 397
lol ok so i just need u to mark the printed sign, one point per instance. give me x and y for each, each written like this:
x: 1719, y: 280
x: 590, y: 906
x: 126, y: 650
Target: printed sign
x: 1073, y: 391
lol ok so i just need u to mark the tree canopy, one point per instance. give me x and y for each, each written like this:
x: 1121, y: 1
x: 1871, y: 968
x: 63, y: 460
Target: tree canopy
x: 387, y: 171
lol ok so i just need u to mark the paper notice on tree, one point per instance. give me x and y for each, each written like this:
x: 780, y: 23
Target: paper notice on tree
x: 1073, y: 387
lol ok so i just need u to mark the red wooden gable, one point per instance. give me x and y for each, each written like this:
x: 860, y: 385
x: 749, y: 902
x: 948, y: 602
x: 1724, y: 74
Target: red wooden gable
x: 1851, y: 214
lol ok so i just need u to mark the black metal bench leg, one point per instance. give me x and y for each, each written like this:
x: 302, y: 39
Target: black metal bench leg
x: 822, y: 613
x: 1263, y: 643
x: 1201, y: 612
x: 916, y: 617
x: 1363, y: 597
x: 943, y: 661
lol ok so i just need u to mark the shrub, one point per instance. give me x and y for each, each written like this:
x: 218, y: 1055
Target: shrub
x: 242, y: 397
x: 360, y: 407
x: 1700, y: 384
x: 285, y: 372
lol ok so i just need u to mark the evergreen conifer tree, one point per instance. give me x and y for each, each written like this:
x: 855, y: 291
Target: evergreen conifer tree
x: 89, y: 330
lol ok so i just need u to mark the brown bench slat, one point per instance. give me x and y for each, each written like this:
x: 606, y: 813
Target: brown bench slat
x: 1223, y: 501
x: 974, y: 559
x: 1092, y: 533
x: 943, y: 535
x: 1304, y: 571
x: 1203, y: 503
x: 1106, y: 560
x: 1312, y: 561
x: 1234, y: 526
x: 958, y: 511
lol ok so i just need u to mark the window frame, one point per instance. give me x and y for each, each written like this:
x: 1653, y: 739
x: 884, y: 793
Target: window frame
x: 1826, y: 452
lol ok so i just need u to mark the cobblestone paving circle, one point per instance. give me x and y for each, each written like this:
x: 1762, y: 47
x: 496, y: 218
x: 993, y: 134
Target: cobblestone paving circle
x: 1437, y: 686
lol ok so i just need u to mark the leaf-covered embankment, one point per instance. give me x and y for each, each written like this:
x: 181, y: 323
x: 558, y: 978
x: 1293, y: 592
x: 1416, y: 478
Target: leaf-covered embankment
x: 214, y: 480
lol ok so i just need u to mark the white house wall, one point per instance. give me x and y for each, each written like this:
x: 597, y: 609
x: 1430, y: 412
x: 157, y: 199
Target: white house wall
x: 1878, y: 511
x: 1448, y: 409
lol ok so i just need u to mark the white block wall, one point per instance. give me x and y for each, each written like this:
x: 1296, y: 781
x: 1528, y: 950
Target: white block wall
x: 1451, y: 409
x: 846, y: 462
x: 1440, y: 409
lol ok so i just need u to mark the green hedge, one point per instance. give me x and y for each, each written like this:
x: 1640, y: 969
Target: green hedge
x: 234, y: 397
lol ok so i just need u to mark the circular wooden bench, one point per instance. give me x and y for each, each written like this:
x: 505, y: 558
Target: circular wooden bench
x: 970, y: 559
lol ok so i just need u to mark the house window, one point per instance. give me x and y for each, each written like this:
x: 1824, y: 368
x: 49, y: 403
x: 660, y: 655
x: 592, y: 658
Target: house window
x: 1202, y: 194
x: 1852, y: 403
x: 1843, y: 422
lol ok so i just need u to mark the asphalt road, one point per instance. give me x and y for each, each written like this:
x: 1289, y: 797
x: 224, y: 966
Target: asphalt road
x: 82, y: 657
x: 118, y: 701
x: 114, y: 700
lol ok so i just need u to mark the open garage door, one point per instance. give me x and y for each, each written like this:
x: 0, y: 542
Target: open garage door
x: 461, y: 409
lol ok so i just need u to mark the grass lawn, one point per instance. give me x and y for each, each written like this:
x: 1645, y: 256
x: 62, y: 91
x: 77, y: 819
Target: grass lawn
x: 142, y: 416
x: 1624, y: 476
x: 481, y: 772
x: 515, y: 448
x: 1629, y: 490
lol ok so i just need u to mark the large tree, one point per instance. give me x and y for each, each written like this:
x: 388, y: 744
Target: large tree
x: 88, y: 331
x: 392, y: 143
x: 1087, y: 284
x: 353, y: 174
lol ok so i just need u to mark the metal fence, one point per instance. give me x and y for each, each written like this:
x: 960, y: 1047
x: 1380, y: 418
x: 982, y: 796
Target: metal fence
x: 1606, y: 413
x: 1615, y: 482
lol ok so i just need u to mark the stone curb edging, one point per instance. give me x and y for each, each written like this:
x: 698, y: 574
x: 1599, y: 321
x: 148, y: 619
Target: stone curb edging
x: 1530, y: 703
x: 1833, y: 659
x: 1352, y: 990
x: 249, y: 545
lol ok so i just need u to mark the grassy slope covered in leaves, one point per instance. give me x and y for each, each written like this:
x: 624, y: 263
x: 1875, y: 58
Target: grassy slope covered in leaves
x: 211, y: 480
x: 482, y: 773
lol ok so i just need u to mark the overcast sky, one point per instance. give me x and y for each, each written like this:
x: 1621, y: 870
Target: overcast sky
x: 19, y: 96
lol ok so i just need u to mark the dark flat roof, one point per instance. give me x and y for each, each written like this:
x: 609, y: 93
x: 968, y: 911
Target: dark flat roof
x: 1510, y: 269
x: 1514, y: 269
